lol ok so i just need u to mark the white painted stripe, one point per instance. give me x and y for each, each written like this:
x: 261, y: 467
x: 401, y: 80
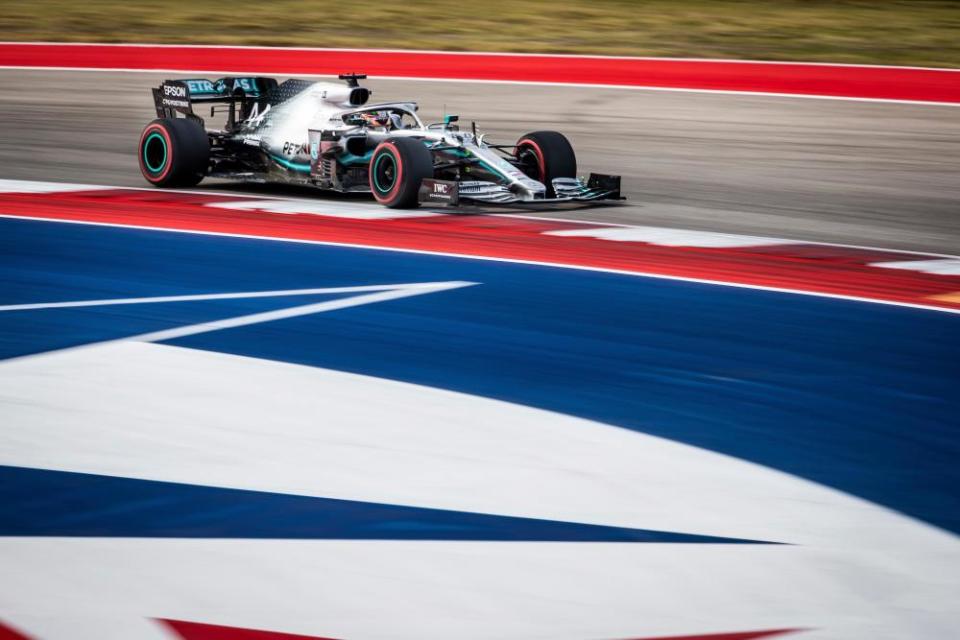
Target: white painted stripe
x: 32, y: 186
x: 638, y: 274
x: 671, y: 237
x: 587, y: 85
x: 818, y: 243
x: 203, y: 296
x: 293, y: 312
x: 328, y: 208
x: 393, y: 293
x: 947, y: 267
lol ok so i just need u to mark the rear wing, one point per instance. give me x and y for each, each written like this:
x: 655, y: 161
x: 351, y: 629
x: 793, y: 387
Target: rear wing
x: 179, y: 96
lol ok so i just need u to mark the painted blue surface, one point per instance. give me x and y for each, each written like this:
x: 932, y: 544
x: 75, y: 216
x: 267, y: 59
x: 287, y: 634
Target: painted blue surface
x: 39, y: 502
x: 856, y: 396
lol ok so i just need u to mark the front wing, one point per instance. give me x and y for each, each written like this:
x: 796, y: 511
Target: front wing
x: 452, y: 193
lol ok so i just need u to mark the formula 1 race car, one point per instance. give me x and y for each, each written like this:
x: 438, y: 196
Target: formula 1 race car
x: 325, y: 135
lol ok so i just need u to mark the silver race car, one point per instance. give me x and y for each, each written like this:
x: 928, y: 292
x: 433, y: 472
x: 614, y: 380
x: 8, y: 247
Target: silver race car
x: 326, y: 135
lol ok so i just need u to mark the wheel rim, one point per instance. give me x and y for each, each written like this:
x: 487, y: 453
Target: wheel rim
x: 384, y: 172
x: 154, y: 153
x: 529, y: 162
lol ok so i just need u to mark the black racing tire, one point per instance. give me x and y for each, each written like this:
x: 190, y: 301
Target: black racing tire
x: 174, y: 152
x: 545, y: 155
x: 397, y: 167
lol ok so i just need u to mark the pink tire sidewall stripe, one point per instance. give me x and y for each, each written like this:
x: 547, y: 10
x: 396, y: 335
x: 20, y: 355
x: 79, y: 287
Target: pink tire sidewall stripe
x: 541, y: 163
x: 398, y: 163
x: 151, y: 128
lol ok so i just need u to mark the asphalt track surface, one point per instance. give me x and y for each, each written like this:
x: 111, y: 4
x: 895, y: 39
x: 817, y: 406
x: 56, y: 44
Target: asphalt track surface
x: 866, y: 173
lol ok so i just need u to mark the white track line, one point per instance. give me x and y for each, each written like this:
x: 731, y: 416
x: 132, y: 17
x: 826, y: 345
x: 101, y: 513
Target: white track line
x: 670, y: 237
x: 393, y: 293
x: 947, y: 267
x: 354, y: 211
x: 210, y: 296
x: 293, y: 312
x: 587, y: 85
x: 658, y: 276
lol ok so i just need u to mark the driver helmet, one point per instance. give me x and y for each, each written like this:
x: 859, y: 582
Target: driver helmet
x: 377, y: 118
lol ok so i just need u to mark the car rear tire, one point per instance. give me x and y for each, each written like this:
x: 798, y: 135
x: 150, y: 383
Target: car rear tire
x: 174, y: 152
x: 545, y: 155
x: 397, y: 167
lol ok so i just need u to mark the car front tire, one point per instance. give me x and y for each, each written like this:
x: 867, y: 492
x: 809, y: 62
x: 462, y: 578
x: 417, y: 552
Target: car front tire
x: 397, y: 167
x: 545, y: 155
